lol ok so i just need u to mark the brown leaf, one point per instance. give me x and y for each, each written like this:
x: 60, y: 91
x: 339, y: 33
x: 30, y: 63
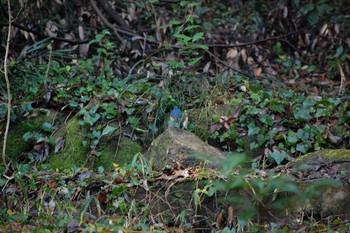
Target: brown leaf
x: 334, y: 139
x: 219, y: 219
x: 258, y: 71
x: 214, y: 127
x: 118, y: 180
x: 231, y: 119
x: 102, y: 196
x: 230, y: 217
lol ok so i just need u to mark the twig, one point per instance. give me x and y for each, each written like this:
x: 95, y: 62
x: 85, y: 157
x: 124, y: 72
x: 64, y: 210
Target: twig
x: 55, y: 38
x: 105, y: 21
x: 342, y: 79
x: 7, y: 85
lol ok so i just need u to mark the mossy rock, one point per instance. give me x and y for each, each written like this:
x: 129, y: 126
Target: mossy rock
x: 329, y: 171
x: 16, y: 144
x: 108, y: 153
x: 74, y: 152
x: 324, y: 156
x: 175, y: 147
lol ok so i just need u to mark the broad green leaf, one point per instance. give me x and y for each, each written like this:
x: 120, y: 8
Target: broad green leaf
x: 302, y: 114
x: 185, y: 39
x: 194, y: 61
x: 266, y: 120
x: 107, y: 130
x: 340, y: 51
x: 253, y: 130
x: 276, y: 106
x: 301, y: 148
x: 197, y: 36
x: 292, y: 138
x: 278, y: 156
x: 201, y: 46
x: 47, y: 127
x: 175, y: 22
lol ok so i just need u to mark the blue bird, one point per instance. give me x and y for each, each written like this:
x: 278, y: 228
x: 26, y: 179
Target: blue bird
x: 176, y: 114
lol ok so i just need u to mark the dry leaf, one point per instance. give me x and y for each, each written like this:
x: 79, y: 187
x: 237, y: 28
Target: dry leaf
x: 232, y: 53
x: 219, y: 219
x: 258, y: 71
x: 324, y: 30
x: 230, y: 217
x: 102, y: 196
x: 285, y: 12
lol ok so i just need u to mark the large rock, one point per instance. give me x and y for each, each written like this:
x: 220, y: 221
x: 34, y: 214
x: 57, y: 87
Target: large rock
x: 112, y: 149
x: 329, y: 171
x: 31, y: 125
x: 176, y: 146
x: 320, y: 189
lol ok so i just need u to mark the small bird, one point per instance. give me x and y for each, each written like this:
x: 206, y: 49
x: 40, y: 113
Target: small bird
x: 176, y: 114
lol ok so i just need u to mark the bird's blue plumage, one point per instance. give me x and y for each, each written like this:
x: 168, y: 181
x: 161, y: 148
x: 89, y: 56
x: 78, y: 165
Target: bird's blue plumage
x: 176, y: 114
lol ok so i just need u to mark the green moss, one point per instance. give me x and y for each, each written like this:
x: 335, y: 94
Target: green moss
x: 326, y: 155
x: 126, y: 151
x: 15, y: 141
x: 73, y: 152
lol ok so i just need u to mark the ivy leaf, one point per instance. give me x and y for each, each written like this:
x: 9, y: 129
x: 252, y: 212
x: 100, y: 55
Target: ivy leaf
x: 301, y: 148
x: 107, y: 130
x: 266, y: 120
x: 302, y: 114
x: 276, y: 106
x: 252, y: 129
x: 278, y: 156
x: 47, y: 127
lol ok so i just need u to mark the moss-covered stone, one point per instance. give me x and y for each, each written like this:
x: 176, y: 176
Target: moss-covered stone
x: 73, y: 151
x: 175, y: 147
x: 109, y: 154
x: 33, y: 123
x: 324, y: 155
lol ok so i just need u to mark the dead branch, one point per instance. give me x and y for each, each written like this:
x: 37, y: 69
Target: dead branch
x: 7, y: 84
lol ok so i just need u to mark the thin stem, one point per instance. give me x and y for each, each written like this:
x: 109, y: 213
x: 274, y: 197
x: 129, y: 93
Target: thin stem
x: 7, y: 84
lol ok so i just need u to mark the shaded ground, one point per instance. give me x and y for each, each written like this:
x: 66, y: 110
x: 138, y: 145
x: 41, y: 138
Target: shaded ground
x: 281, y: 67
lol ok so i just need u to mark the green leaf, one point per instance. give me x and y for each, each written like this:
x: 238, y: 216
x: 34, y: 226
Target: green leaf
x: 266, y: 120
x: 100, y: 169
x: 276, y: 106
x: 188, y: 28
x: 73, y: 103
x: 278, y: 156
x: 184, y: 38
x: 201, y: 46
x: 311, y: 68
x: 252, y: 130
x: 340, y: 51
x: 47, y: 127
x: 253, y: 146
x: 197, y: 36
x: 302, y: 114
x: 175, y: 22
x: 255, y: 97
x: 107, y: 130
x: 307, y: 103
x: 176, y: 64
x: 301, y: 148
x: 292, y: 138
x: 194, y: 61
